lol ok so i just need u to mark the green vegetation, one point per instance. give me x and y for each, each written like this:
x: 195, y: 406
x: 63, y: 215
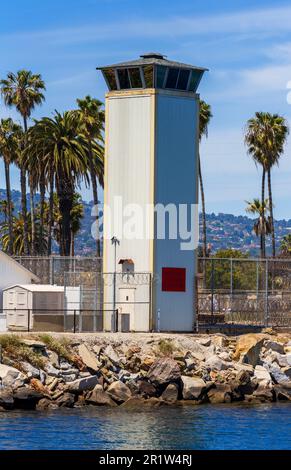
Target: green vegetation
x: 17, y: 351
x: 60, y: 347
x: 266, y: 135
x: 55, y: 155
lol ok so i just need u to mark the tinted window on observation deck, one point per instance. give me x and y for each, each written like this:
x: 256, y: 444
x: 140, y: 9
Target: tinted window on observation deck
x: 123, y: 78
x: 110, y: 77
x: 135, y: 78
x: 148, y: 72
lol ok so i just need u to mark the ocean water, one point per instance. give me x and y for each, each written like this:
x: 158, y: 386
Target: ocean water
x: 199, y: 427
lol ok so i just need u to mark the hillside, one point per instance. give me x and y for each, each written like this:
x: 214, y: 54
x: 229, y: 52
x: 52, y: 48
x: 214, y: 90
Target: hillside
x: 223, y: 230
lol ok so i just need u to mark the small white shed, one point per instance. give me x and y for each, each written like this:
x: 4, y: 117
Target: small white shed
x: 11, y: 273
x: 28, y: 304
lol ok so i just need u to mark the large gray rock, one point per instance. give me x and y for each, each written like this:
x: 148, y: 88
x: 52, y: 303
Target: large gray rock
x: 11, y: 377
x: 220, y: 393
x: 274, y: 346
x: 278, y: 376
x: 193, y: 387
x: 262, y: 374
x: 164, y: 371
x: 119, y: 392
x: 99, y: 397
x: 6, y: 398
x: 170, y: 394
x: 215, y: 363
x: 25, y: 397
x: 66, y: 400
x: 82, y: 385
x: 51, y: 370
x: 31, y: 371
x: 89, y: 359
x: 111, y: 354
x: 248, y: 348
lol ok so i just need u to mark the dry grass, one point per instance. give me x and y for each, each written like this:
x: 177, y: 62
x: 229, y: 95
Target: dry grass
x: 166, y: 347
x: 60, y: 347
x: 15, y: 350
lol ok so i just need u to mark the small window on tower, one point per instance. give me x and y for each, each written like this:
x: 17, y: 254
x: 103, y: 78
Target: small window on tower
x: 183, y: 79
x: 110, y: 78
x: 148, y: 72
x: 196, y: 76
x: 172, y: 78
x: 123, y: 79
x: 160, y: 77
x: 135, y: 80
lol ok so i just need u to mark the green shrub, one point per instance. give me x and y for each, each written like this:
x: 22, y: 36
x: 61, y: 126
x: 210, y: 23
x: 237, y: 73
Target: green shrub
x: 166, y: 347
x: 15, y: 350
x: 60, y: 347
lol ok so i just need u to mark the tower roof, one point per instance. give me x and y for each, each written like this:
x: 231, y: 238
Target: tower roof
x: 152, y: 58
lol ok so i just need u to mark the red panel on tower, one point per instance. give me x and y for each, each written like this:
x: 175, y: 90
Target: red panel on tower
x: 174, y: 279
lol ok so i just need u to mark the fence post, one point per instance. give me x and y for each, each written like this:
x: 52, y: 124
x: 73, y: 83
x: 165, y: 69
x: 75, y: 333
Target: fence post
x: 231, y: 282
x: 80, y: 321
x: 116, y: 320
x: 266, y: 294
x: 212, y: 290
x: 0, y: 354
x: 28, y: 320
x: 158, y: 320
x: 74, y: 326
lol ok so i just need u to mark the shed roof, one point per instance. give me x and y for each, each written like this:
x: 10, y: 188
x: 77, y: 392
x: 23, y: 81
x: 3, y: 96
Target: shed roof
x: 38, y: 287
x: 4, y: 257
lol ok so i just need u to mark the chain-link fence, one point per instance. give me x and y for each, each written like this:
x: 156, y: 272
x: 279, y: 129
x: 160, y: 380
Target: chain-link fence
x: 244, y: 291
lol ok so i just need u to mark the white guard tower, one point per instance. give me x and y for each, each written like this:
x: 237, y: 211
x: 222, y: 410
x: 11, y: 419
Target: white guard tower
x: 151, y: 150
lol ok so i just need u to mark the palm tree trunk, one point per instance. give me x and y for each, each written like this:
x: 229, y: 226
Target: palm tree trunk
x: 204, y: 240
x: 65, y: 196
x: 51, y: 212
x: 23, y: 198
x: 271, y: 214
x: 9, y: 207
x: 204, y: 233
x: 41, y: 219
x: 263, y: 235
x: 72, y: 244
x: 95, y: 196
x: 32, y: 216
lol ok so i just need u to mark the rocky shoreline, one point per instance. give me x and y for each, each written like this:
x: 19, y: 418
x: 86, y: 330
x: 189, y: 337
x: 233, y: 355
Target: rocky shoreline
x: 135, y: 371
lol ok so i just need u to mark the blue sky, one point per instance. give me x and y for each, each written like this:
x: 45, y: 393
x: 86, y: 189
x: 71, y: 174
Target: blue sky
x: 245, y: 44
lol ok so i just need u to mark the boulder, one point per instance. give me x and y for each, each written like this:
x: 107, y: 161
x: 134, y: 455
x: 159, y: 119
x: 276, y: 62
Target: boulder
x: 54, y: 358
x: 171, y: 393
x: 88, y: 358
x: 26, y: 398
x: 51, y: 370
x: 111, y: 354
x: 39, y: 346
x: 134, y: 403
x: 147, y: 362
x: 119, y: 392
x: 11, y: 377
x: 6, y: 398
x: 193, y: 387
x: 205, y: 341
x: 31, y: 371
x: 243, y: 385
x: 274, y: 346
x: 99, y: 397
x: 283, y: 391
x: 248, y: 348
x: 190, y: 363
x: 164, y: 371
x: 82, y: 385
x: 248, y: 367
x: 220, y: 340
x: 215, y: 363
x: 145, y: 388
x: 45, y: 404
x: 220, y: 393
x: 262, y: 374
x: 278, y: 376
x: 66, y: 400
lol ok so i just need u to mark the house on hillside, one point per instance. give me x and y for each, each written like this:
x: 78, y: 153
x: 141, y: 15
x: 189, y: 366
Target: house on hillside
x: 11, y: 273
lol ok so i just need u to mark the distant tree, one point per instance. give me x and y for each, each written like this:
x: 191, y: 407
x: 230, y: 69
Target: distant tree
x: 266, y: 135
x: 285, y: 245
x: 263, y: 224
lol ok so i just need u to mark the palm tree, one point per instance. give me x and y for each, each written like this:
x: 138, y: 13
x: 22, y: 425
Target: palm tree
x: 59, y: 144
x: 77, y: 213
x: 262, y: 225
x: 266, y: 136
x: 9, y: 132
x: 204, y: 118
x: 92, y: 126
x: 23, y: 91
x: 285, y: 246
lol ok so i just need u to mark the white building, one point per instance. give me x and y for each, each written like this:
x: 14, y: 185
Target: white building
x: 151, y: 149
